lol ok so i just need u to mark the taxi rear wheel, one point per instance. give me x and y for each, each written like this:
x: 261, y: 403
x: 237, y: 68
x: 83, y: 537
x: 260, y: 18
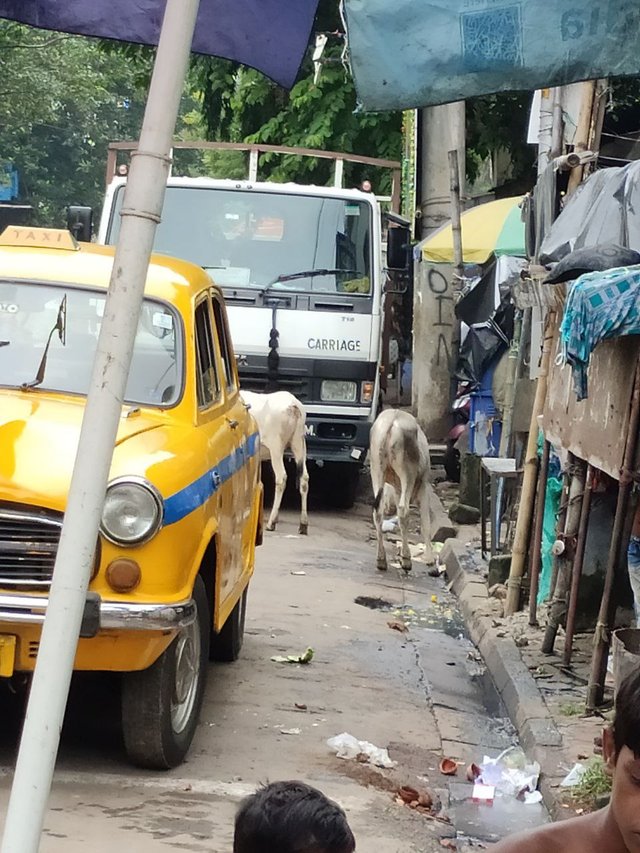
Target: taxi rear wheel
x: 161, y: 704
x: 226, y: 645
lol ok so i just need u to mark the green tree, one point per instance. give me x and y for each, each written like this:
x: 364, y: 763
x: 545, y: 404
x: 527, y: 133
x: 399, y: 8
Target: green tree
x: 63, y: 99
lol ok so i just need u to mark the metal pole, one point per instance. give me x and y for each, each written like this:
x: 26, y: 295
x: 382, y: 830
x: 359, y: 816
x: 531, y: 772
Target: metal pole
x: 595, y: 690
x: 456, y: 212
x: 536, y: 547
x: 576, y: 569
x: 558, y: 608
x: 140, y: 214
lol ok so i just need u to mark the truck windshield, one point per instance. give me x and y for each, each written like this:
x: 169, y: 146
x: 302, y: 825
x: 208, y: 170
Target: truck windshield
x: 255, y: 239
x: 29, y: 312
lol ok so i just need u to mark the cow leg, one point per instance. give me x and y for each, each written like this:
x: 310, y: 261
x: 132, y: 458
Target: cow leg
x: 426, y: 520
x: 378, y: 510
x: 279, y: 471
x: 299, y: 450
x: 403, y: 521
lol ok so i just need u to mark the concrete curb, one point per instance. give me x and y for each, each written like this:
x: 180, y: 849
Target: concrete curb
x: 538, y: 733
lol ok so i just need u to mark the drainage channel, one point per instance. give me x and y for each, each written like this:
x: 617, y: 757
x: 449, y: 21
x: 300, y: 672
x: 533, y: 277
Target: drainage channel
x: 470, y: 715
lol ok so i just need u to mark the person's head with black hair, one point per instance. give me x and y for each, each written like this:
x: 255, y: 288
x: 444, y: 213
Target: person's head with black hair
x: 291, y: 817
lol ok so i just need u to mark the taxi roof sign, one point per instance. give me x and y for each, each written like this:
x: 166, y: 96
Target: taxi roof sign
x: 38, y: 238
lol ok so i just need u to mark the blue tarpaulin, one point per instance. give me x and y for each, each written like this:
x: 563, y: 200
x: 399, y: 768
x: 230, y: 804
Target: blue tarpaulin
x: 416, y: 53
x: 270, y: 35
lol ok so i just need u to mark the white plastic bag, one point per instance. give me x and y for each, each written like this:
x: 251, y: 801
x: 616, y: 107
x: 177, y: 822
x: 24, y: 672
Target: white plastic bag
x: 347, y: 746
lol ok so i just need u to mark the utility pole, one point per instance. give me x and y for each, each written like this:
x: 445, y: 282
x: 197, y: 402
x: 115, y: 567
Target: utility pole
x: 441, y: 129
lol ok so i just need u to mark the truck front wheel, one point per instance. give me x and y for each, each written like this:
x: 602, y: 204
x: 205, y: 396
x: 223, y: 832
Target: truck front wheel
x: 161, y: 704
x: 341, y: 484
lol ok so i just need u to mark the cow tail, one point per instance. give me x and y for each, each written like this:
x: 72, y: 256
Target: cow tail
x: 299, y: 471
x: 378, y: 500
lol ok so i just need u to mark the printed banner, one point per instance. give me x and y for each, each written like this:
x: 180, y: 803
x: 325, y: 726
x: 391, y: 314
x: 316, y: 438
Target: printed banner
x: 417, y: 53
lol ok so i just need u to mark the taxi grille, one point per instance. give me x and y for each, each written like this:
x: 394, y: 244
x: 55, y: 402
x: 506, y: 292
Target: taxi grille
x: 28, y: 545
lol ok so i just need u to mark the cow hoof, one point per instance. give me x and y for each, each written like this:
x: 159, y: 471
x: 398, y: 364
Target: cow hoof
x: 303, y: 530
x: 406, y: 564
x: 382, y: 565
x: 270, y: 527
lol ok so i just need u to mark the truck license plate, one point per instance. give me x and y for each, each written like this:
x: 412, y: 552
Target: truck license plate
x: 7, y: 655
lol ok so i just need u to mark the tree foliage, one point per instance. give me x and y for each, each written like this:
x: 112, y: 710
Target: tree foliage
x: 63, y: 99
x: 241, y: 105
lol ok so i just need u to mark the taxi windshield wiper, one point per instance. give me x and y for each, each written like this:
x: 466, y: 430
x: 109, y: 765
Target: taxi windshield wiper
x: 308, y: 274
x: 60, y: 327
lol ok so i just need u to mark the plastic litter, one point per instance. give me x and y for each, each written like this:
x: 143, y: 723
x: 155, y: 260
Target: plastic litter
x: 347, y: 746
x: 307, y: 657
x: 510, y: 773
x: 574, y: 776
x: 532, y: 797
x: 390, y: 525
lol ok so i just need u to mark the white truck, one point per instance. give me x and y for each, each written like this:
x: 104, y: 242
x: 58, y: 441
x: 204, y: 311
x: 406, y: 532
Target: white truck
x: 307, y: 290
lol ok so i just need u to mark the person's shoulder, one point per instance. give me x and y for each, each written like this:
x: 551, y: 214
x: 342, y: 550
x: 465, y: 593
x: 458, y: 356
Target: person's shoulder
x: 566, y: 836
x: 548, y: 839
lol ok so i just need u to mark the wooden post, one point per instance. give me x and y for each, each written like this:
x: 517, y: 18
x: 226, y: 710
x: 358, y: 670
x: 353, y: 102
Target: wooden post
x: 558, y: 609
x: 456, y: 213
x: 576, y: 569
x: 536, y: 547
x: 527, y: 496
x: 602, y: 638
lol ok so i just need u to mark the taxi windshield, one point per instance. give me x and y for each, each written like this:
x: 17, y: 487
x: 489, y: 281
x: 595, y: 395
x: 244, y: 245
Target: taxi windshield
x: 30, y: 314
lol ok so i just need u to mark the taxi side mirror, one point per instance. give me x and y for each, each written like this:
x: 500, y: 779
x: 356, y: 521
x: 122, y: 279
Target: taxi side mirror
x: 80, y: 222
x: 398, y: 246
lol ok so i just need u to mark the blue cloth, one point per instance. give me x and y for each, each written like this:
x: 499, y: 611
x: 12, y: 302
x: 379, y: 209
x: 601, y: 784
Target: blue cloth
x: 633, y: 564
x: 414, y: 53
x: 270, y: 35
x: 600, y: 305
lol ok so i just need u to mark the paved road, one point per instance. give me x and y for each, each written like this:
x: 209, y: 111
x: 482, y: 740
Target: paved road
x: 418, y: 693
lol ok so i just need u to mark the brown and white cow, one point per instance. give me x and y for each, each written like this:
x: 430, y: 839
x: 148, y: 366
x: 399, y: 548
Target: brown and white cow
x: 281, y: 423
x: 400, y: 471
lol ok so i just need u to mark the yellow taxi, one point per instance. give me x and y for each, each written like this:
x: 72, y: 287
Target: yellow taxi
x: 183, y: 509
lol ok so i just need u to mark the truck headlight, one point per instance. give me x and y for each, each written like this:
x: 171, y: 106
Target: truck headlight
x: 132, y: 511
x: 338, y: 391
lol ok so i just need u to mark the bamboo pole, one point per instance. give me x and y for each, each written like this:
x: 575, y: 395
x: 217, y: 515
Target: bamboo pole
x: 576, y: 569
x: 527, y: 497
x: 558, y: 609
x: 583, y: 132
x: 513, y: 364
x: 536, y: 548
x: 602, y: 639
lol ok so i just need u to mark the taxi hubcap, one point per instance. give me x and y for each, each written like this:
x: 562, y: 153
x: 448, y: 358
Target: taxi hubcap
x: 187, y: 670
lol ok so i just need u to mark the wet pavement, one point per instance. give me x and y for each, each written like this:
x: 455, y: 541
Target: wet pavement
x: 392, y: 666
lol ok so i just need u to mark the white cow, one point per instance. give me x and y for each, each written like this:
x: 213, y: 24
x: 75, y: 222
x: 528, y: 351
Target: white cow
x: 281, y: 423
x: 400, y: 464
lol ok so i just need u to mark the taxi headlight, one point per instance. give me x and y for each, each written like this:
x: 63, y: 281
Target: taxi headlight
x: 132, y: 512
x: 338, y: 391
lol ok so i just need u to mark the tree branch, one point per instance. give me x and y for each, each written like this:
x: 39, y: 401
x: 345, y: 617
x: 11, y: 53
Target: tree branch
x: 37, y: 45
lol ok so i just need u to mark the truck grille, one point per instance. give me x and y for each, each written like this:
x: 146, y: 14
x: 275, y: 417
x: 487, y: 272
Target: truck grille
x: 252, y: 379
x: 28, y: 545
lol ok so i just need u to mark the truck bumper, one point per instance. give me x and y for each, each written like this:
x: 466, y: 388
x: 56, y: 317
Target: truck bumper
x: 332, y: 439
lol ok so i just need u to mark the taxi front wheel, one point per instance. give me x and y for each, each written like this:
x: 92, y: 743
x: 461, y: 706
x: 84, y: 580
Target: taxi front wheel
x: 161, y: 704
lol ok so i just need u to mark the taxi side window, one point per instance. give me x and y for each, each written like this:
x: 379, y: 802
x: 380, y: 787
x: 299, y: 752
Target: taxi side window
x: 225, y: 347
x: 208, y: 381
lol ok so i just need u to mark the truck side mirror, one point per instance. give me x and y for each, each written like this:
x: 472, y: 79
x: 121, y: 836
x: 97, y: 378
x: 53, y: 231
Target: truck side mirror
x: 398, y: 246
x: 80, y: 222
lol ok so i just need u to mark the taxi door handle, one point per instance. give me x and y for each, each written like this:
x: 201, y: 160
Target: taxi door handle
x: 233, y: 424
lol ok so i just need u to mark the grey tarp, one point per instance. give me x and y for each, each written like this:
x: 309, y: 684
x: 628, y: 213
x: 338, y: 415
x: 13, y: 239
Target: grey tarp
x: 605, y: 209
